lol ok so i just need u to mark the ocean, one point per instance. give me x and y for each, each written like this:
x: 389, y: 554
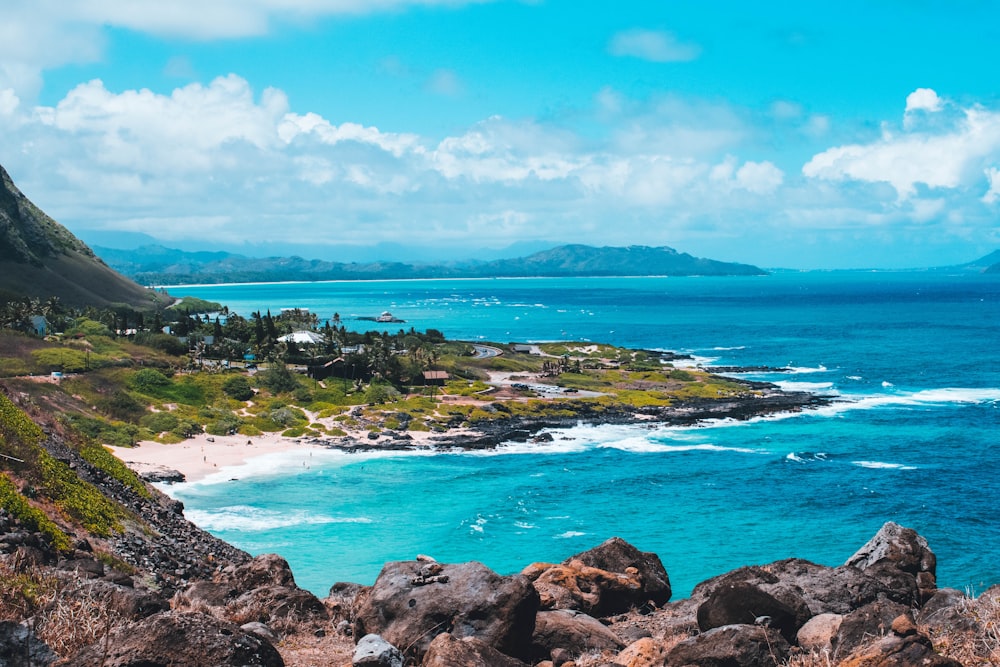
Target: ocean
x: 913, y: 359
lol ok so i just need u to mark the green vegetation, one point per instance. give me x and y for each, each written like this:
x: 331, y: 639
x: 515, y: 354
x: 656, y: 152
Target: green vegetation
x: 14, y: 502
x: 192, y: 304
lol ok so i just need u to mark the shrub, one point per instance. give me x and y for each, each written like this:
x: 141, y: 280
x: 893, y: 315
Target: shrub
x: 158, y: 422
x: 277, y: 379
x: 148, y: 380
x: 238, y: 387
x: 61, y: 359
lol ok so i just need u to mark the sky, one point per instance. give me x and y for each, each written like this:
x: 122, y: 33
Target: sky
x: 782, y: 134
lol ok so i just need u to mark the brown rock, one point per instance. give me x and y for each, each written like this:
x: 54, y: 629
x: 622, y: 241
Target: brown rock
x: 573, y: 631
x: 617, y: 555
x: 819, y: 632
x: 862, y: 625
x: 904, y: 550
x: 744, y: 603
x: 732, y: 646
x: 447, y: 650
x: 473, y: 602
x: 575, y: 585
x: 646, y: 652
x: 177, y: 638
x: 914, y: 650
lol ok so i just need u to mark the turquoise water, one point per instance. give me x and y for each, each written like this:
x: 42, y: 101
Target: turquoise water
x: 913, y: 358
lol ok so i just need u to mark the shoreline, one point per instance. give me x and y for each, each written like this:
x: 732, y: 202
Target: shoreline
x: 203, y: 455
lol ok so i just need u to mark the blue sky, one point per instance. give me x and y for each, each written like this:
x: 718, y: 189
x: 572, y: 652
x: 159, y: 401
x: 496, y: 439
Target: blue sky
x: 782, y: 134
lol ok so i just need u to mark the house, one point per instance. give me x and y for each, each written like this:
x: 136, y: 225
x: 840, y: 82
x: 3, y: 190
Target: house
x: 435, y: 378
x: 302, y: 338
x: 39, y: 325
x: 521, y: 348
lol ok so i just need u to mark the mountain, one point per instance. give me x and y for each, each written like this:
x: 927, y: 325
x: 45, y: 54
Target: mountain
x: 156, y: 265
x: 41, y: 258
x: 988, y: 264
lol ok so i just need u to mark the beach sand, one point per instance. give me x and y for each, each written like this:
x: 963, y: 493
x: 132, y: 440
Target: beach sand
x: 204, y: 455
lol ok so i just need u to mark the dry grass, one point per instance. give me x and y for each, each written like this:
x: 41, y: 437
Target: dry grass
x: 979, y: 645
x: 65, y: 615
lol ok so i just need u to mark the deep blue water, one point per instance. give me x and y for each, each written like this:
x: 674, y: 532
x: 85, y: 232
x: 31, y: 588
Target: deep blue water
x: 913, y: 356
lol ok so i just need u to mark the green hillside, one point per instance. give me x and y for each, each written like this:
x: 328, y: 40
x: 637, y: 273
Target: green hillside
x: 39, y: 258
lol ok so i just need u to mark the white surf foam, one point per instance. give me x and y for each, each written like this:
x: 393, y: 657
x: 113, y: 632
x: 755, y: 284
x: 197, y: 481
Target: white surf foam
x: 880, y: 465
x: 813, y: 387
x: 569, y: 534
x: 245, y: 518
x: 804, y: 370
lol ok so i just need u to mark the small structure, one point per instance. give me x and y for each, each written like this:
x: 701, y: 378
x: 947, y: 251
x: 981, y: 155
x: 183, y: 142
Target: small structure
x: 435, y: 378
x: 302, y: 338
x: 521, y: 348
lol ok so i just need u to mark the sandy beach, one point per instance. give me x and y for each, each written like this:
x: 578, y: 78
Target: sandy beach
x: 204, y: 455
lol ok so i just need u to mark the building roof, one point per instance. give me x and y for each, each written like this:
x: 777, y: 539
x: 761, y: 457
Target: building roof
x: 302, y: 338
x: 435, y: 375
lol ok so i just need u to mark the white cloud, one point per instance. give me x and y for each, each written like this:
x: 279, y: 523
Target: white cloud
x: 8, y: 102
x: 949, y: 158
x: 923, y: 99
x: 36, y: 35
x: 993, y: 194
x: 759, y: 177
x: 653, y: 45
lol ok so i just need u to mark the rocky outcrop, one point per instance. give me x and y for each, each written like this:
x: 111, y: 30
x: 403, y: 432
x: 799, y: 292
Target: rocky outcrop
x: 608, y: 579
x: 19, y: 647
x: 571, y: 631
x: 179, y: 638
x: 412, y: 602
x: 262, y: 590
x: 896, y: 550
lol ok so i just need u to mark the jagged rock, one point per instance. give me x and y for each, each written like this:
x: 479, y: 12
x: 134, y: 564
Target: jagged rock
x: 122, y: 601
x: 265, y: 570
x: 474, y: 602
x: 260, y: 630
x: 84, y: 567
x: 448, y: 651
x: 819, y: 632
x: 160, y: 474
x: 743, y: 603
x: 209, y: 593
x: 575, y: 585
x: 373, y: 651
x: 901, y: 549
x: 179, y: 638
x: 860, y: 626
x: 571, y: 630
x: 732, y: 646
x: 19, y: 647
x: 617, y: 555
x: 903, y: 647
x: 646, y: 652
x: 945, y: 610
x: 837, y: 590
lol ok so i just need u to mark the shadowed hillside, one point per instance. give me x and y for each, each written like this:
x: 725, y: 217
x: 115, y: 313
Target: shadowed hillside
x: 41, y: 258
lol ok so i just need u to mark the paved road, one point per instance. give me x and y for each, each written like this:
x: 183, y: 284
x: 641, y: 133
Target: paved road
x: 485, y: 351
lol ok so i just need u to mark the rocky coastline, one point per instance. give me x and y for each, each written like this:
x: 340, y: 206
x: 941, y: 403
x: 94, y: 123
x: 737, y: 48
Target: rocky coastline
x: 165, y: 593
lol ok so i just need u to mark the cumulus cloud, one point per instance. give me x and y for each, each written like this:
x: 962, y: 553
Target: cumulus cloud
x: 950, y: 157
x: 212, y: 161
x: 654, y: 45
x: 923, y: 99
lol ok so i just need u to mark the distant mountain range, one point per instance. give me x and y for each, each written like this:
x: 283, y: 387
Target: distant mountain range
x: 40, y: 258
x: 157, y: 265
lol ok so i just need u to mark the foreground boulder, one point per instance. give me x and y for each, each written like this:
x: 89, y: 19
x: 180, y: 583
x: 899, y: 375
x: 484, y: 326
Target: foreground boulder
x: 608, y: 579
x: 448, y: 651
x: 747, y: 604
x: 732, y: 646
x: 896, y: 549
x: 262, y: 590
x: 571, y: 631
x: 177, y: 638
x: 412, y: 602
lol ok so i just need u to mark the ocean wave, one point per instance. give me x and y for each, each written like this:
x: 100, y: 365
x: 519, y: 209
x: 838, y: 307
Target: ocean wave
x: 246, y: 518
x: 815, y: 387
x: 804, y: 370
x: 924, y: 397
x: 879, y: 465
x: 569, y: 534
